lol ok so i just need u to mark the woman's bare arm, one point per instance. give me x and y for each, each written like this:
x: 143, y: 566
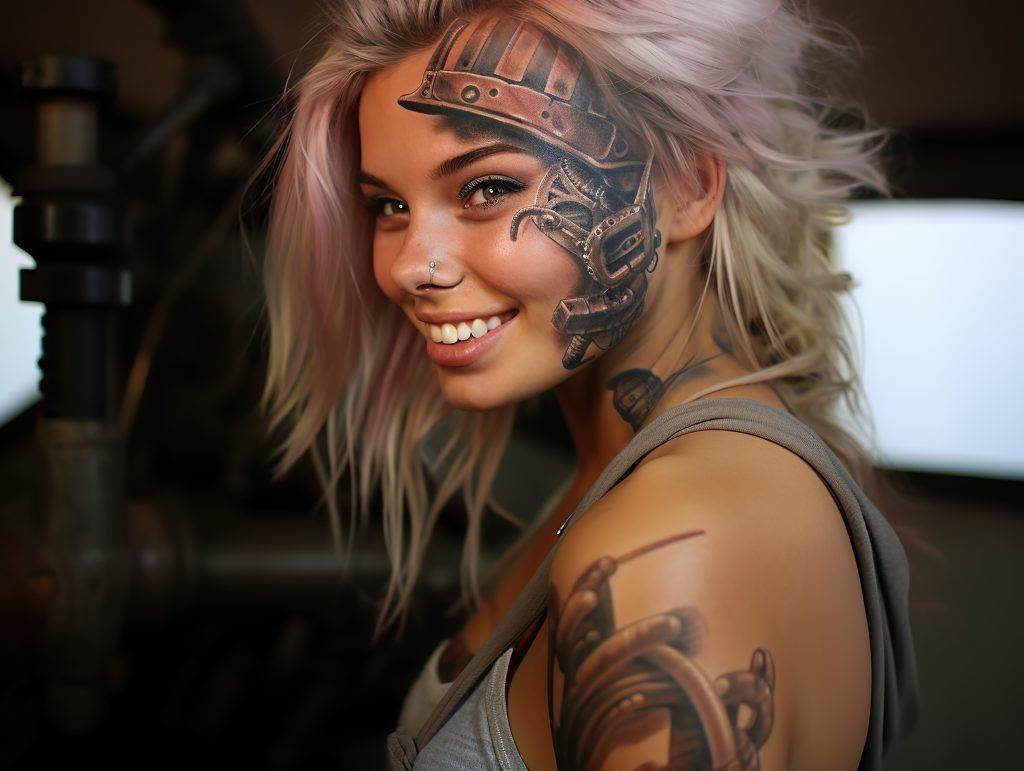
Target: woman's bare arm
x: 709, y: 616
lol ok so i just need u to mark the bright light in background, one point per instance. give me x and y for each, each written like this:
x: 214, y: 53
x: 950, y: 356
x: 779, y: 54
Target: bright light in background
x: 941, y: 293
x: 19, y: 323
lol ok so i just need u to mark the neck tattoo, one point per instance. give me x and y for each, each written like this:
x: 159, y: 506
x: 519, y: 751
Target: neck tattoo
x: 635, y: 392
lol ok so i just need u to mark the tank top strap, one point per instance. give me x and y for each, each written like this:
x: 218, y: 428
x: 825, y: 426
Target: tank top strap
x: 733, y: 414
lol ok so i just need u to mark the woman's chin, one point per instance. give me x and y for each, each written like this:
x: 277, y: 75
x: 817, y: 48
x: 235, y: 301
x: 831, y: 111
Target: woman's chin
x: 474, y: 399
x: 498, y: 382
x: 485, y: 393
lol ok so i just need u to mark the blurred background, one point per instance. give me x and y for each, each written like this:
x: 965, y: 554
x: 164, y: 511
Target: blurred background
x: 171, y: 605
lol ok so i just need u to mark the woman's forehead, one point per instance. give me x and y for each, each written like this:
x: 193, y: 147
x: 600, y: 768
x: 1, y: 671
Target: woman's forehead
x: 389, y: 131
x: 379, y: 97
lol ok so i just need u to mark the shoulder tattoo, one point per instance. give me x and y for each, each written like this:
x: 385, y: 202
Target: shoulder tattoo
x: 612, y: 678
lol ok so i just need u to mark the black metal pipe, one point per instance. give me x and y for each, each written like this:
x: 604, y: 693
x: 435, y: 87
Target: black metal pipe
x: 69, y: 220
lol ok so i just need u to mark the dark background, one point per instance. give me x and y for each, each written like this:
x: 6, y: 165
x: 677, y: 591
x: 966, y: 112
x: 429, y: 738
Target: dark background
x: 258, y: 652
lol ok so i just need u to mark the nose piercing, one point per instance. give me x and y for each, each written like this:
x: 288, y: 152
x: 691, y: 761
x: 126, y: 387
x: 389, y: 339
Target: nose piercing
x: 432, y: 269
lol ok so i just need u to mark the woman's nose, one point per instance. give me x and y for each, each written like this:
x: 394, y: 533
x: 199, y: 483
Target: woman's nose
x: 425, y: 263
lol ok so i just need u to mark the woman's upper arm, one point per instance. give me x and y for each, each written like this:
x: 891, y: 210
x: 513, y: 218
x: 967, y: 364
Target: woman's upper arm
x: 694, y: 625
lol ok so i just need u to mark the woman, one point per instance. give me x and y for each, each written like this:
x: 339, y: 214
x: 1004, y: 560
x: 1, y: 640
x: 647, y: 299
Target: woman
x: 627, y: 204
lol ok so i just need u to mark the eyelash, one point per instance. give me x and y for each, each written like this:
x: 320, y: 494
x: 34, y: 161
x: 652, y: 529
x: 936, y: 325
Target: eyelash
x: 470, y: 188
x: 376, y: 204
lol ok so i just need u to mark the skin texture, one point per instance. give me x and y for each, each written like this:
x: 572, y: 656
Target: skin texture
x: 762, y: 658
x: 453, y: 660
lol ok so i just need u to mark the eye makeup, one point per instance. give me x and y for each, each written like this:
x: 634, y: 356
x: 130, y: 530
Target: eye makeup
x: 490, y: 182
x: 495, y: 182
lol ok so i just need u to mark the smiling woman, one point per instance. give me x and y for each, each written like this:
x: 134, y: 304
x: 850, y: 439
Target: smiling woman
x: 628, y: 205
x: 460, y: 213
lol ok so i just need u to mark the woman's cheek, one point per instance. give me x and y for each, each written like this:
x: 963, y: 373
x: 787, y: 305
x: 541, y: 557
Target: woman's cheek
x: 536, y: 271
x: 382, y: 259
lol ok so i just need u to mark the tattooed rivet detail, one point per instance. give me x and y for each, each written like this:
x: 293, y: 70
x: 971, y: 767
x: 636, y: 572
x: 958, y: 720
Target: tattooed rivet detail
x: 493, y: 92
x: 545, y: 114
x: 470, y: 94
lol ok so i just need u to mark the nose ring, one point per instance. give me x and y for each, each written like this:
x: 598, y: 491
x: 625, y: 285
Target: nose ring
x: 432, y: 269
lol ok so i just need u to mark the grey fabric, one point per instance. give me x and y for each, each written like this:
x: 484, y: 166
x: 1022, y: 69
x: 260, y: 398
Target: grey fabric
x: 424, y: 694
x: 477, y: 735
x: 884, y: 577
x: 427, y: 690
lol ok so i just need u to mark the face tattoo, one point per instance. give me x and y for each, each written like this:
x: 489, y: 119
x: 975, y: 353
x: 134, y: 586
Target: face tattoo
x: 595, y: 199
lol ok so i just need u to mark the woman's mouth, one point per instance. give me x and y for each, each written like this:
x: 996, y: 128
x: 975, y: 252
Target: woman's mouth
x: 459, y: 344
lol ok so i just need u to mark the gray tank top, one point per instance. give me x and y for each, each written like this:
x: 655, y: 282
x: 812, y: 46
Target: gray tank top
x: 468, y: 727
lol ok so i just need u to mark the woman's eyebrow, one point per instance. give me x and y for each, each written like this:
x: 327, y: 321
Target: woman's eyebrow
x: 369, y: 179
x: 452, y: 165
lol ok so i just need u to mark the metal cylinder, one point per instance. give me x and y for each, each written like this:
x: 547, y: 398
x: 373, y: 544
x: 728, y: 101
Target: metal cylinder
x: 69, y: 221
x: 66, y: 132
x: 80, y: 509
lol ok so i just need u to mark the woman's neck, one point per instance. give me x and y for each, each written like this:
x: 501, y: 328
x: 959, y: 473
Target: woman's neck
x: 657, y: 365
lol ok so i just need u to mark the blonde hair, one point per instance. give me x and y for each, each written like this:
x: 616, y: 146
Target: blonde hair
x: 347, y: 376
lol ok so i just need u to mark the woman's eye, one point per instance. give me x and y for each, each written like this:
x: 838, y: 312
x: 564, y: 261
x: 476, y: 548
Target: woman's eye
x: 381, y: 207
x: 388, y: 207
x: 488, y: 191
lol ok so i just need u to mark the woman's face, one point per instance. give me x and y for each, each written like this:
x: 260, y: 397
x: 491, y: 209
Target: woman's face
x: 446, y: 199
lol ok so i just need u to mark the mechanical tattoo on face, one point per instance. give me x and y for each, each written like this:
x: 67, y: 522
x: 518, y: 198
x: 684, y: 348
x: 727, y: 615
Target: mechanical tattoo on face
x: 595, y: 200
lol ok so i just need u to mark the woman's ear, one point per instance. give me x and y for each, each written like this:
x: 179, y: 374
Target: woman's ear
x: 686, y: 219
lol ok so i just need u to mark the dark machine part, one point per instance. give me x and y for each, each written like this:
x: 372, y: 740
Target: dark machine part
x: 214, y: 558
x: 91, y: 563
x: 70, y: 221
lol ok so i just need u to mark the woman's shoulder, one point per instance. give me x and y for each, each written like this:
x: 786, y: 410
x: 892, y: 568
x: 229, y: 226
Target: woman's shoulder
x: 762, y: 514
x: 735, y: 545
x: 749, y: 487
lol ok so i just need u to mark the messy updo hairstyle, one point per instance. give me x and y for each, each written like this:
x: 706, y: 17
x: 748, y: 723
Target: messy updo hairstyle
x: 751, y: 81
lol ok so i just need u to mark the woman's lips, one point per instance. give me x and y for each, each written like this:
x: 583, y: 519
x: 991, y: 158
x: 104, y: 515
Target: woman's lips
x: 465, y: 352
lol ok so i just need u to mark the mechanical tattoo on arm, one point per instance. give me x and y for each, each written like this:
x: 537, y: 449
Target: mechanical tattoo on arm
x: 613, y: 677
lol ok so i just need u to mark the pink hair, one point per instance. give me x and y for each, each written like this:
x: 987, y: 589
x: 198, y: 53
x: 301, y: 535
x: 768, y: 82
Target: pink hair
x: 732, y: 77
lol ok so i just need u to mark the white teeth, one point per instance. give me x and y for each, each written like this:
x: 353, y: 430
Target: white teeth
x: 453, y: 333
